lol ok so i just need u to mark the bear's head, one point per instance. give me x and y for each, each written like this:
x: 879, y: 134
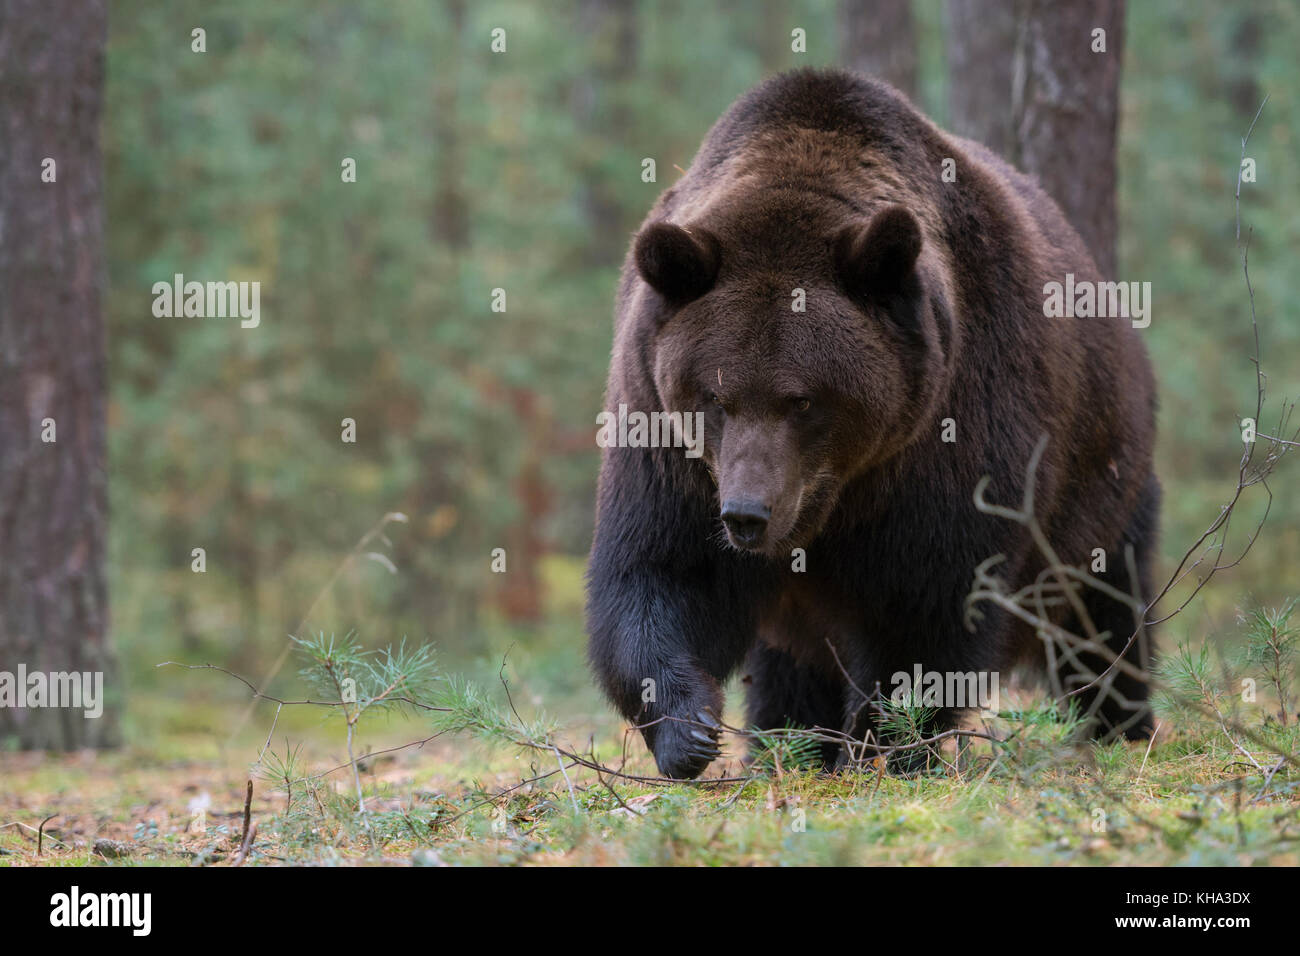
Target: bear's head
x: 815, y: 342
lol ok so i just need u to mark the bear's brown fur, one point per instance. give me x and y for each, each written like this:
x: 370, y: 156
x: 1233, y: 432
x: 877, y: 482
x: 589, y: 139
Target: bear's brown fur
x: 923, y: 302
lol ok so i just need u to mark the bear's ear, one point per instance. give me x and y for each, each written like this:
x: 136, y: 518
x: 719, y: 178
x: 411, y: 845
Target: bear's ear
x: 879, y: 261
x: 679, y: 265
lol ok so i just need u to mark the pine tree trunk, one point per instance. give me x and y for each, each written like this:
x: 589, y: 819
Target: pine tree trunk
x: 981, y: 48
x: 53, y: 495
x: 1066, y: 111
x: 878, y: 38
x: 451, y: 214
x: 609, y: 40
x: 1024, y: 80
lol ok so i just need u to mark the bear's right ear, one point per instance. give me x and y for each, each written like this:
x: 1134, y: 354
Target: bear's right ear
x: 679, y: 265
x: 879, y: 261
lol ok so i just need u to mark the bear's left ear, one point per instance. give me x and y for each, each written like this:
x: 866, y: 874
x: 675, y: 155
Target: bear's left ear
x: 879, y: 261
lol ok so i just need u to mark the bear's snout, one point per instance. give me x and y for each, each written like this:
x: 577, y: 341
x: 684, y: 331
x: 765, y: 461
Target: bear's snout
x: 746, y: 521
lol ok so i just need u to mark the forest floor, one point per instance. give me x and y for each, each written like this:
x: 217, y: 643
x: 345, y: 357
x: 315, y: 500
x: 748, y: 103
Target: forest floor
x: 176, y: 796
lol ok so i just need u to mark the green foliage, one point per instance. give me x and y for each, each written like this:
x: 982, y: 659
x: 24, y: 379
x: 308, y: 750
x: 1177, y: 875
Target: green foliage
x: 1186, y: 677
x: 906, y: 721
x: 1272, y: 643
x: 467, y: 708
x: 1241, y: 697
x: 522, y: 172
x: 1194, y: 77
x: 341, y: 670
x: 281, y: 769
x: 1044, y: 716
x: 787, y: 749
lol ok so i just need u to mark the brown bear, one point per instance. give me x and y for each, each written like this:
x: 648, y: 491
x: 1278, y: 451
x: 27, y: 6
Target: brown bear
x: 862, y: 341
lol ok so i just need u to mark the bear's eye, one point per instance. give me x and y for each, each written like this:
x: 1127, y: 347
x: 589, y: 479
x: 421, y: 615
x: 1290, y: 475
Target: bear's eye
x: 803, y: 404
x: 714, y: 399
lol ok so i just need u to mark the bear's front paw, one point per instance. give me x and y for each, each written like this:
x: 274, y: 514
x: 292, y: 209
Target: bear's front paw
x: 684, y: 746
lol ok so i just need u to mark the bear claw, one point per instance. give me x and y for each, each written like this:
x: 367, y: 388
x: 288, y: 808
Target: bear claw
x: 686, y: 750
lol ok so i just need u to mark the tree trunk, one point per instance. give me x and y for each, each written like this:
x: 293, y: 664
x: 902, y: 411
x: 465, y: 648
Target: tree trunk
x: 765, y: 26
x: 981, y: 47
x: 1247, y: 39
x: 879, y: 39
x: 1024, y: 81
x: 521, y: 596
x: 53, y: 494
x: 1065, y: 107
x: 609, y: 38
x: 451, y: 218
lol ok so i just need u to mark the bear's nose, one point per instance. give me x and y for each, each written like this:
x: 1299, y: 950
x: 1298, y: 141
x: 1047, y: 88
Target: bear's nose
x: 746, y: 520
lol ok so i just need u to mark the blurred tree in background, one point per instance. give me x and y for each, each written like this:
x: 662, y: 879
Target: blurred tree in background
x: 53, y: 388
x: 522, y: 171
x: 878, y: 38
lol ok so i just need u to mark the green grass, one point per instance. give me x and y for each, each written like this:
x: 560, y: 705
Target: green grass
x: 1190, y: 800
x: 1194, y: 797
